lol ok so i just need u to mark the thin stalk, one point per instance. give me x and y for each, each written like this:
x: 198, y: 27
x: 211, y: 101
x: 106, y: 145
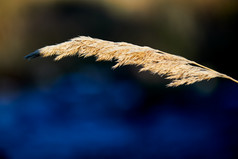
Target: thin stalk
x: 221, y: 75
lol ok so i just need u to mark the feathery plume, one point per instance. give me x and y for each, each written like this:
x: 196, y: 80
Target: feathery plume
x: 176, y: 68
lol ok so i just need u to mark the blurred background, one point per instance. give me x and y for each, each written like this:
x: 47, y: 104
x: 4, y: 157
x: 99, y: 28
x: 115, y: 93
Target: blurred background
x: 78, y: 108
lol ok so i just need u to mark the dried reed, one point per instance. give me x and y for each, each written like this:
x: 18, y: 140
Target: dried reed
x: 176, y: 68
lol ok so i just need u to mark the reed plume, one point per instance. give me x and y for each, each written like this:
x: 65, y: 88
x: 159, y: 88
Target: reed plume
x: 176, y: 68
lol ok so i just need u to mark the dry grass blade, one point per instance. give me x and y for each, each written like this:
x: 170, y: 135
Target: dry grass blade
x: 176, y: 68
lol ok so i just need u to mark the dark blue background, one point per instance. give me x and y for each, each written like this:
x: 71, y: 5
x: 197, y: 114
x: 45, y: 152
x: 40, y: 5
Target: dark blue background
x: 80, y: 116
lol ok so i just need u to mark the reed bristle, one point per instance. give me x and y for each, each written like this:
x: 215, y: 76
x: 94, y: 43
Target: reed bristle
x: 176, y: 68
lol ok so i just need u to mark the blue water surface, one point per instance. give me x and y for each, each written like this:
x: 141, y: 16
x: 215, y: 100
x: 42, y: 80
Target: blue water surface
x: 83, y: 117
